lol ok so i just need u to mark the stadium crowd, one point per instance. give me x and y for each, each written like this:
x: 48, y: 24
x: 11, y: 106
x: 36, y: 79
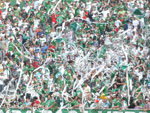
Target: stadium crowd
x: 75, y: 54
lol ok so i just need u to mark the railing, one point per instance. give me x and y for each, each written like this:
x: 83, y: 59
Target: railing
x: 15, y: 110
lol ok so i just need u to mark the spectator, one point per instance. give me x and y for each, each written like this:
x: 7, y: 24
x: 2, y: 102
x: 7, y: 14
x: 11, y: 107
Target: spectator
x: 70, y: 53
x: 147, y: 105
x: 27, y: 103
x: 35, y: 102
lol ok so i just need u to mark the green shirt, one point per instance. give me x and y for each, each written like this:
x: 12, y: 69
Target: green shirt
x: 25, y: 37
x: 77, y: 11
x: 139, y: 90
x: 140, y: 41
x: 117, y: 103
x: 73, y: 26
x: 50, y: 102
x: 48, y: 28
x: 17, y: 59
x: 39, y: 14
x: 45, y: 92
x: 48, y: 6
x: 68, y: 82
x: 103, y: 51
x: 61, y: 83
x: 43, y: 103
x: 10, y: 46
x: 69, y: 1
x: 17, y: 53
x: 16, y: 12
x: 101, y: 27
x: 59, y: 19
x: 74, y: 103
x: 114, y: 90
x: 137, y: 12
x: 43, y: 18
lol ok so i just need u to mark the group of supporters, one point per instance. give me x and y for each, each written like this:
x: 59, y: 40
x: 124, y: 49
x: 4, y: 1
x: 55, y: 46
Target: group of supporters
x: 75, y: 54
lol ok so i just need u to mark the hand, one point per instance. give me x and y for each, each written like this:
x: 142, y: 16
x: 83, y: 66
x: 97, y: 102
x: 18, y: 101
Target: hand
x: 145, y: 110
x: 46, y: 108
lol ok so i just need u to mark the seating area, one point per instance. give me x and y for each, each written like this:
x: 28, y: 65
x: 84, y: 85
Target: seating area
x: 60, y: 54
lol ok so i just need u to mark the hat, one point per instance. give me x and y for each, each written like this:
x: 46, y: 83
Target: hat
x: 97, y: 101
x: 53, y: 0
x: 147, y: 99
x: 103, y: 96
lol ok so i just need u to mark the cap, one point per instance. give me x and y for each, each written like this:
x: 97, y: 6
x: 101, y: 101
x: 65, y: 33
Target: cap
x: 147, y: 99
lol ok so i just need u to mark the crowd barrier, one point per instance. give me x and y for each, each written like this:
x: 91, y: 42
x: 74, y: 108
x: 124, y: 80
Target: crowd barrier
x: 13, y: 110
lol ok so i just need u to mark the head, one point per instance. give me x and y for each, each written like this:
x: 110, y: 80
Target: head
x: 35, y: 98
x: 49, y: 96
x: 79, y: 77
x: 79, y: 100
x: 27, y: 100
x: 118, y: 98
x: 104, y: 100
x: 137, y: 103
x: 147, y: 101
x: 86, y: 83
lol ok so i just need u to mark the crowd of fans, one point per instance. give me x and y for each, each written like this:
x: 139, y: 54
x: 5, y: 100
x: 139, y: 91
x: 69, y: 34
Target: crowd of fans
x: 75, y: 54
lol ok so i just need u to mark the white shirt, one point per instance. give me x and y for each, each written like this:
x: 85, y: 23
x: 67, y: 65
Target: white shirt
x: 25, y: 77
x: 81, y: 13
x: 36, y: 4
x: 88, y: 6
x: 117, y: 23
x: 4, y: 14
x: 6, y: 5
x: 53, y: 34
x: 18, y: 1
x: 147, y: 14
x: 87, y: 89
x: 27, y: 8
x: 105, y: 13
x: 20, y: 22
x: 135, y: 23
x: 43, y: 40
x: 25, y: 25
x: 40, y: 1
x: 36, y: 23
x: 135, y: 51
x: 107, y: 41
x: 134, y: 39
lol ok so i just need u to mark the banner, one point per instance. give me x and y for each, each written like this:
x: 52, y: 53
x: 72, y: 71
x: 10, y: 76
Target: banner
x: 13, y: 110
